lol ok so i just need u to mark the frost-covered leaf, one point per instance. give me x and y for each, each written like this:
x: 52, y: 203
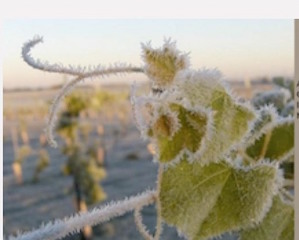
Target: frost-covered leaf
x: 288, y: 167
x: 276, y: 143
x: 161, y: 65
x: 285, y: 83
x: 265, y: 117
x: 278, y: 224
x: 205, y: 201
x: 230, y: 119
x: 288, y: 109
x: 277, y: 97
x: 187, y: 139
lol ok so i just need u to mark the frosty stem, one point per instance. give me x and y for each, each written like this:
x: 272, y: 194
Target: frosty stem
x: 62, y: 228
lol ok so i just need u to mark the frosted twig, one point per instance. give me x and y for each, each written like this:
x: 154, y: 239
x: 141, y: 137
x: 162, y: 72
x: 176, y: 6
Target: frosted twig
x: 70, y: 70
x: 287, y: 194
x: 54, y: 109
x: 138, y: 217
x: 266, y: 144
x: 140, y: 226
x: 136, y: 117
x: 61, y: 228
x: 158, y: 204
x: 44, y: 66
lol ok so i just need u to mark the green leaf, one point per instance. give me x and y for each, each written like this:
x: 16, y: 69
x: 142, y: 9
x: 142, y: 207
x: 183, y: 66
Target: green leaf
x: 231, y: 122
x: 206, y: 201
x: 189, y: 136
x: 276, y: 97
x: 161, y: 65
x: 208, y: 133
x: 288, y: 84
x: 278, y: 224
x: 275, y: 144
x: 288, y: 167
x: 230, y: 119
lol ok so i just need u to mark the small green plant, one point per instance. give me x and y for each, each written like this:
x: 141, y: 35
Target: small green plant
x: 43, y: 159
x: 219, y: 159
x: 21, y: 153
x: 43, y: 162
x: 82, y: 163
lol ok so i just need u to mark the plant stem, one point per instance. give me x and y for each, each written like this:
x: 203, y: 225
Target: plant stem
x: 71, y: 225
x: 78, y: 203
x: 158, y: 204
x: 266, y: 143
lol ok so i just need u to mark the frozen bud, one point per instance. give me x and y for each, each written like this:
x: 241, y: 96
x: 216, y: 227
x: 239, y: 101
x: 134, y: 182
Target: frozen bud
x: 161, y: 65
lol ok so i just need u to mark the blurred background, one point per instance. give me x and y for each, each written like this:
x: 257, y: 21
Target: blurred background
x: 100, y: 155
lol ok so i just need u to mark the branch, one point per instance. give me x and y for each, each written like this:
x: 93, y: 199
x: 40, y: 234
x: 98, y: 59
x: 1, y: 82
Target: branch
x: 71, y: 70
x: 140, y: 226
x: 138, y: 216
x: 159, y: 207
x: 61, y: 228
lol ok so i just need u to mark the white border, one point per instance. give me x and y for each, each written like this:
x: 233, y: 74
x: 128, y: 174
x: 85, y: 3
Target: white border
x: 149, y: 9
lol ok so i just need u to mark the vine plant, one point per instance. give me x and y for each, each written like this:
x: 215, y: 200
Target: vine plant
x: 219, y: 158
x: 81, y: 163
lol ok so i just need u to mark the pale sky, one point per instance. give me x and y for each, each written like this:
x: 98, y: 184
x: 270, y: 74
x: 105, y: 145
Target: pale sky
x: 238, y: 48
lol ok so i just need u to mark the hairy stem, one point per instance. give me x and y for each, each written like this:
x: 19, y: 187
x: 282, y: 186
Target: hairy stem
x: 54, y: 109
x: 158, y: 204
x: 71, y: 225
x: 266, y: 143
x: 287, y: 194
x: 140, y: 226
x: 70, y: 70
